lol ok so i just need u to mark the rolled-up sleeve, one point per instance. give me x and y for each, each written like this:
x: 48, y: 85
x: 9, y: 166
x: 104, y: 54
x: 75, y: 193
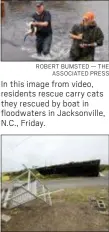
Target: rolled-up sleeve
x: 99, y: 37
x: 33, y: 17
x: 74, y: 29
x: 47, y: 17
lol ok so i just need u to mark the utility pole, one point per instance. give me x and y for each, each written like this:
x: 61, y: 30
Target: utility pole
x: 2, y: 9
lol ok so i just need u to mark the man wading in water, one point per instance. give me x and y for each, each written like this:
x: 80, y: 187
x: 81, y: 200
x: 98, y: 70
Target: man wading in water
x: 86, y: 37
x: 42, y: 20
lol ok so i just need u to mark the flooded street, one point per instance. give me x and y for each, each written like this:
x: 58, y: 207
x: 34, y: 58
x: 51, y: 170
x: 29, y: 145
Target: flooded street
x: 64, y: 15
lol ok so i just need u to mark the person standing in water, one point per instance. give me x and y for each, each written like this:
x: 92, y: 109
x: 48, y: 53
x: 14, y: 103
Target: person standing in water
x: 42, y: 21
x: 86, y: 37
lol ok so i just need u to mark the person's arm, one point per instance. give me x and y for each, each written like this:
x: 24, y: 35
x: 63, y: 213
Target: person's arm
x: 77, y: 37
x: 47, y: 20
x: 41, y: 24
x: 73, y: 33
x: 99, y: 39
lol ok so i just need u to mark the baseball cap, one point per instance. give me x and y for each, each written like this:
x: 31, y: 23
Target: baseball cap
x: 89, y: 15
x: 39, y: 3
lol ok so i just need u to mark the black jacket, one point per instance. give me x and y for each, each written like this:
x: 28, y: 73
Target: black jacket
x: 44, y: 17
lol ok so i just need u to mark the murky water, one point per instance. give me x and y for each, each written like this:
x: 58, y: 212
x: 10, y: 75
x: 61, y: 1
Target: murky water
x: 64, y: 15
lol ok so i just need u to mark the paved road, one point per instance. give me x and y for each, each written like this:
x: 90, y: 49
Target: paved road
x: 72, y: 182
x: 76, y: 182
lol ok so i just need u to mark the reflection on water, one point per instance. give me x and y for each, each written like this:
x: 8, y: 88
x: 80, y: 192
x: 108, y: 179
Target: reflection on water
x: 64, y: 15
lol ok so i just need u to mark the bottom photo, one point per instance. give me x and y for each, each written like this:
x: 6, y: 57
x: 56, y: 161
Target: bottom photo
x: 54, y: 183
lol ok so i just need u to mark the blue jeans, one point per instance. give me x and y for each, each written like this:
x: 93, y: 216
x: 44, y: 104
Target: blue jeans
x: 43, y: 44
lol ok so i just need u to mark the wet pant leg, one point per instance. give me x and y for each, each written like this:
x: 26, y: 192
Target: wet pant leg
x: 73, y: 56
x: 39, y: 44
x: 87, y: 58
x: 47, y: 44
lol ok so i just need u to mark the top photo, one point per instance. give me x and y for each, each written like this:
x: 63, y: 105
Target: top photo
x: 71, y: 31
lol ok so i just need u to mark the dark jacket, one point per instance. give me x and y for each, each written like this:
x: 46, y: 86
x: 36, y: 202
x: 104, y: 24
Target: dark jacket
x: 44, y: 17
x: 91, y: 34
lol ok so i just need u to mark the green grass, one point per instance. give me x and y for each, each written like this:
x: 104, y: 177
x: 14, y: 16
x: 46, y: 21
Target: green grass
x: 104, y: 167
x: 81, y: 194
x: 5, y: 178
x: 40, y: 177
x: 104, y: 172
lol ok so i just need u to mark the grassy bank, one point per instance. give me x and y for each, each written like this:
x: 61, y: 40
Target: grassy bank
x: 104, y: 167
x: 82, y: 194
x: 10, y: 176
x: 71, y: 211
x: 38, y: 175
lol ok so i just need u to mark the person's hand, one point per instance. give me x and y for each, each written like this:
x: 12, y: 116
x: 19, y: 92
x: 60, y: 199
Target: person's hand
x: 80, y: 36
x: 34, y: 23
x: 83, y: 45
x: 92, y: 45
x: 76, y: 37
